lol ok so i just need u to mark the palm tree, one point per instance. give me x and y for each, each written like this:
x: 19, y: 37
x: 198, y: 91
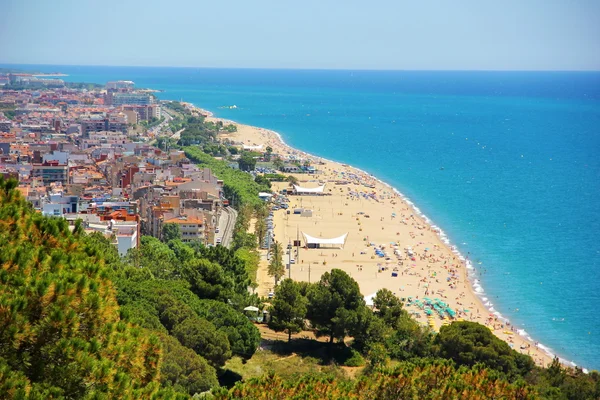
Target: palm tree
x: 292, y: 180
x: 276, y: 268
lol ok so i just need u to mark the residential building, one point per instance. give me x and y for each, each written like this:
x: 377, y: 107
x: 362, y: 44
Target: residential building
x: 58, y: 205
x: 192, y: 228
x: 103, y: 124
x: 145, y: 112
x: 51, y: 171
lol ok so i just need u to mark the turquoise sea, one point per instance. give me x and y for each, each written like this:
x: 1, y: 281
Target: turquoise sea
x: 506, y: 163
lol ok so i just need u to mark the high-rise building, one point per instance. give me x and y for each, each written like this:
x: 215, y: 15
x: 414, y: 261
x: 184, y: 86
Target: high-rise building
x: 119, y: 99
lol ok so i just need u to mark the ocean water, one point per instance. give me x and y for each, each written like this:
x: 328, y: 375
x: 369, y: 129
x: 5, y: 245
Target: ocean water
x: 506, y: 163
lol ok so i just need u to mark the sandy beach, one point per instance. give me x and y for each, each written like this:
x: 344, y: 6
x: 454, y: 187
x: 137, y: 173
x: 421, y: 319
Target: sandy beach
x: 416, y: 263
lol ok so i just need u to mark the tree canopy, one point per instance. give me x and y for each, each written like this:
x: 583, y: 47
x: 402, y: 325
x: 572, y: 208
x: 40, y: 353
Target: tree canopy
x: 171, y: 232
x: 469, y: 343
x: 335, y: 303
x: 276, y: 268
x: 247, y: 162
x: 289, y: 308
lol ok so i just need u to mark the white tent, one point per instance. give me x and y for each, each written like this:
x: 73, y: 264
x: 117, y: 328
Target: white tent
x: 303, y: 190
x: 313, y: 242
x: 251, y: 308
x: 369, y: 299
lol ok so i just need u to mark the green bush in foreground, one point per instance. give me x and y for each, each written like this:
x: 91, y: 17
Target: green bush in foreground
x: 424, y: 381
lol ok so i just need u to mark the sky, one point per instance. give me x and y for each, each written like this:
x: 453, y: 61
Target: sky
x: 319, y: 34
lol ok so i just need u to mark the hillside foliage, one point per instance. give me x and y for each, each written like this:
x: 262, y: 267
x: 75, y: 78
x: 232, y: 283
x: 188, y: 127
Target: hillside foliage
x: 61, y: 333
x: 420, y: 381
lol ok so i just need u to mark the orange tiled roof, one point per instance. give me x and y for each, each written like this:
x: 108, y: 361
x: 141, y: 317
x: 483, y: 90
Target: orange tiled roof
x: 188, y: 220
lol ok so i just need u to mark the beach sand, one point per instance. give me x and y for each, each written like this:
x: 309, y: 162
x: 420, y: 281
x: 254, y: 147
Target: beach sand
x: 374, y: 216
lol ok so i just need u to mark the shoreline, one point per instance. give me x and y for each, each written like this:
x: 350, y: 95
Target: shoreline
x: 541, y: 354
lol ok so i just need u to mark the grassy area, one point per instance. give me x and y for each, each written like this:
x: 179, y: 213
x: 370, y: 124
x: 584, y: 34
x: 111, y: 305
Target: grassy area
x: 290, y: 360
x: 266, y: 361
x: 284, y: 365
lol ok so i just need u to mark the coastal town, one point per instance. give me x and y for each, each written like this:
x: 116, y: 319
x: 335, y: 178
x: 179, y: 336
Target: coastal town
x: 90, y: 155
x: 100, y: 155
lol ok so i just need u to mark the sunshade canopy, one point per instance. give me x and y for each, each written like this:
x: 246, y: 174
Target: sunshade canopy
x: 338, y: 241
x: 300, y: 189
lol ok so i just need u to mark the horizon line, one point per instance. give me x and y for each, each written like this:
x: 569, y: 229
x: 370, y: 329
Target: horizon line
x: 310, y: 69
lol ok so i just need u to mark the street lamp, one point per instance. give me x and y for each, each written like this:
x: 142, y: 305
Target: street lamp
x: 289, y: 247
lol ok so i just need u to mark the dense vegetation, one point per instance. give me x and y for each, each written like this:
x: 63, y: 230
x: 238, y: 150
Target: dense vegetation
x: 84, y: 85
x: 191, y: 297
x: 434, y: 380
x: 61, y: 334
x: 191, y: 282
x: 196, y: 130
x: 464, y: 357
x: 78, y: 321
x: 176, y: 106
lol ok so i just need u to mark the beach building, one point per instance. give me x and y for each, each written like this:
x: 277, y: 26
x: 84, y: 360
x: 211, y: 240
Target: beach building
x: 291, y: 169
